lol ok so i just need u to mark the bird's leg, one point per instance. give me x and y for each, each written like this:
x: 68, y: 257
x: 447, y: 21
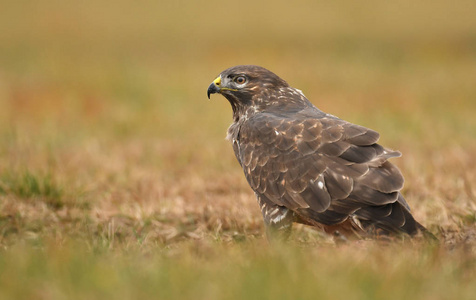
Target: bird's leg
x: 278, y: 220
x: 278, y: 232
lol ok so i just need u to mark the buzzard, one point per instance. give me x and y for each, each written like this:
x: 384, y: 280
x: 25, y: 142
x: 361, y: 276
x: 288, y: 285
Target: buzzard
x: 310, y: 167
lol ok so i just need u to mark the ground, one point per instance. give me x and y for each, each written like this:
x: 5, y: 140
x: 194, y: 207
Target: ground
x: 116, y: 180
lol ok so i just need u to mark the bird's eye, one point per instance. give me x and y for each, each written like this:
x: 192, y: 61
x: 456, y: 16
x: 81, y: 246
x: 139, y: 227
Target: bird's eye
x: 240, y: 79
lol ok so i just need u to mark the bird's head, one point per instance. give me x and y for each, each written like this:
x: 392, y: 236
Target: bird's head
x: 243, y: 85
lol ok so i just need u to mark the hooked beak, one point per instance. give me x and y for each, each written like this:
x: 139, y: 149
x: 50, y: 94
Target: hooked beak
x: 214, y: 87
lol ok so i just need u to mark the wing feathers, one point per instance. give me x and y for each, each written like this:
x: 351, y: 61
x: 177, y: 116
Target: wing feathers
x: 312, y: 131
x: 390, y: 216
x: 339, y: 186
x: 334, y: 149
x: 332, y: 132
x: 362, y: 154
x: 316, y: 195
x: 323, y: 169
x: 284, y: 143
x: 306, y: 148
x: 360, y: 136
x: 370, y: 196
x: 386, y: 178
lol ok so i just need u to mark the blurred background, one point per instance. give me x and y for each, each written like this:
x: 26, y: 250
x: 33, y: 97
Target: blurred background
x: 116, y: 180
x: 103, y: 108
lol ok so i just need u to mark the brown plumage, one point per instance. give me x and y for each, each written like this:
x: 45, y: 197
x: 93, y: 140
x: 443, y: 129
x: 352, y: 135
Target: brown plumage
x: 307, y: 166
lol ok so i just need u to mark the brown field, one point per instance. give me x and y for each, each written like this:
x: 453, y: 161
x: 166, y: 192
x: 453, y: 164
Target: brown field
x: 116, y: 181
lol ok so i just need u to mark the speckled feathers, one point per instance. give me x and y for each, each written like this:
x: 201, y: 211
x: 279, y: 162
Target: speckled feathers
x: 308, y: 166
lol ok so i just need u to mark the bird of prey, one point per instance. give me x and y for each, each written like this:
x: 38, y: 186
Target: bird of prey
x: 310, y: 167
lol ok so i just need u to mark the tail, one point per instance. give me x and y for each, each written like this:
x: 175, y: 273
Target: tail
x: 426, y: 233
x: 390, y: 219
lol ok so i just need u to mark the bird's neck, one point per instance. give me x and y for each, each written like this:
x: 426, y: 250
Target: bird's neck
x: 240, y: 109
x: 242, y: 113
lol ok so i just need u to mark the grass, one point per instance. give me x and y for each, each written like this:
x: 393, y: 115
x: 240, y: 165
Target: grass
x: 204, y: 271
x: 116, y: 181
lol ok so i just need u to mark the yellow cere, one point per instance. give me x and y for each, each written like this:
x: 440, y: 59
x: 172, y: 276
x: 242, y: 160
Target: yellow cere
x: 217, y: 82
